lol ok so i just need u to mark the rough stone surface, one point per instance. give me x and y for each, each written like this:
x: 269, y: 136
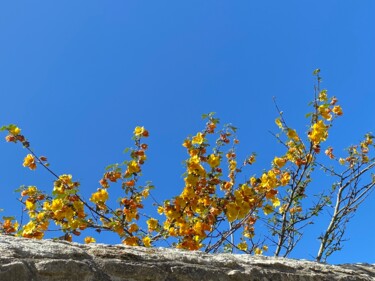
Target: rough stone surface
x: 47, y: 260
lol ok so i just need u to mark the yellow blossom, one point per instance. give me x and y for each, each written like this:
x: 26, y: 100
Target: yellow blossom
x: 278, y: 123
x: 337, y: 110
x: 279, y: 162
x: 131, y: 241
x: 285, y: 178
x: 14, y: 130
x: 231, y: 211
x: 146, y: 241
x: 325, y: 112
x: 56, y: 204
x: 198, y: 139
x: 269, y: 180
x: 30, y: 204
x: 152, y: 224
x: 160, y: 210
x: 31, y: 190
x: 232, y: 165
x: 133, y: 167
x: 194, y: 166
x: 253, y: 181
x: 100, y: 196
x: 275, y: 202
x: 242, y: 246
x: 29, y: 228
x: 323, y: 95
x: 258, y: 251
x: 89, y: 240
x: 292, y: 134
x: 213, y: 160
x: 138, y: 131
x: 29, y: 161
x: 133, y: 228
x: 318, y: 132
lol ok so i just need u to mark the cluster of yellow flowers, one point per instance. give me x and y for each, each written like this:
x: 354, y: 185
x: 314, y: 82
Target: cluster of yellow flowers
x: 208, y: 197
x: 124, y: 220
x: 65, y: 208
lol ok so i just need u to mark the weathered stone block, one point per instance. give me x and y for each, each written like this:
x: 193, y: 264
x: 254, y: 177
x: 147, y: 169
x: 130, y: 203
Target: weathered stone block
x: 47, y: 260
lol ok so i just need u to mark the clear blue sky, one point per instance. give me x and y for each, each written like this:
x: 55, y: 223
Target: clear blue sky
x: 78, y: 76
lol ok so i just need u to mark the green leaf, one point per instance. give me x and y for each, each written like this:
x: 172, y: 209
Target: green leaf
x: 3, y: 128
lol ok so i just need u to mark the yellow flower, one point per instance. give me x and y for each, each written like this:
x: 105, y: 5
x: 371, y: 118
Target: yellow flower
x: 41, y: 216
x: 275, y: 202
x: 30, y: 204
x: 56, y: 205
x: 253, y: 181
x: 269, y: 180
x: 133, y: 167
x: 160, y: 210
x: 265, y: 248
x: 231, y: 212
x: 145, y: 193
x: 213, y: 160
x: 14, y: 130
x: 147, y: 241
x: 323, y: 95
x: 292, y: 134
x: 29, y: 161
x: 279, y: 162
x: 337, y: 110
x: 278, y: 123
x: 318, y: 132
x: 89, y: 240
x: 325, y: 112
x: 190, y: 180
x: 232, y: 165
x: 138, y: 131
x: 100, y: 196
x: 31, y: 190
x: 342, y: 161
x: 194, y: 166
x: 29, y: 228
x: 131, y: 241
x: 198, y: 139
x: 133, y: 228
x: 258, y: 251
x: 285, y: 178
x: 152, y: 224
x: 242, y: 246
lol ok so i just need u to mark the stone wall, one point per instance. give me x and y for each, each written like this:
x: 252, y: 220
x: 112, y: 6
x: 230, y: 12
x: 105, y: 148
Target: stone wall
x: 47, y: 260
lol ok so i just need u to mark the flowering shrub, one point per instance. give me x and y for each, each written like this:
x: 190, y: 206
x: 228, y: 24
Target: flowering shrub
x: 215, y: 210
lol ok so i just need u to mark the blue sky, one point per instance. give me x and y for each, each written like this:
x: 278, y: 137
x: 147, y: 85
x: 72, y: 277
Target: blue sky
x: 78, y: 76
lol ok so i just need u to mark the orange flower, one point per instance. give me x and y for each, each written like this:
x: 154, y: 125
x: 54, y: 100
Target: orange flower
x: 89, y: 240
x: 337, y: 110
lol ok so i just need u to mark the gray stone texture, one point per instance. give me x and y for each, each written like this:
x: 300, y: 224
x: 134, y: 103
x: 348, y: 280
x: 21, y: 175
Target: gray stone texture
x: 47, y: 260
